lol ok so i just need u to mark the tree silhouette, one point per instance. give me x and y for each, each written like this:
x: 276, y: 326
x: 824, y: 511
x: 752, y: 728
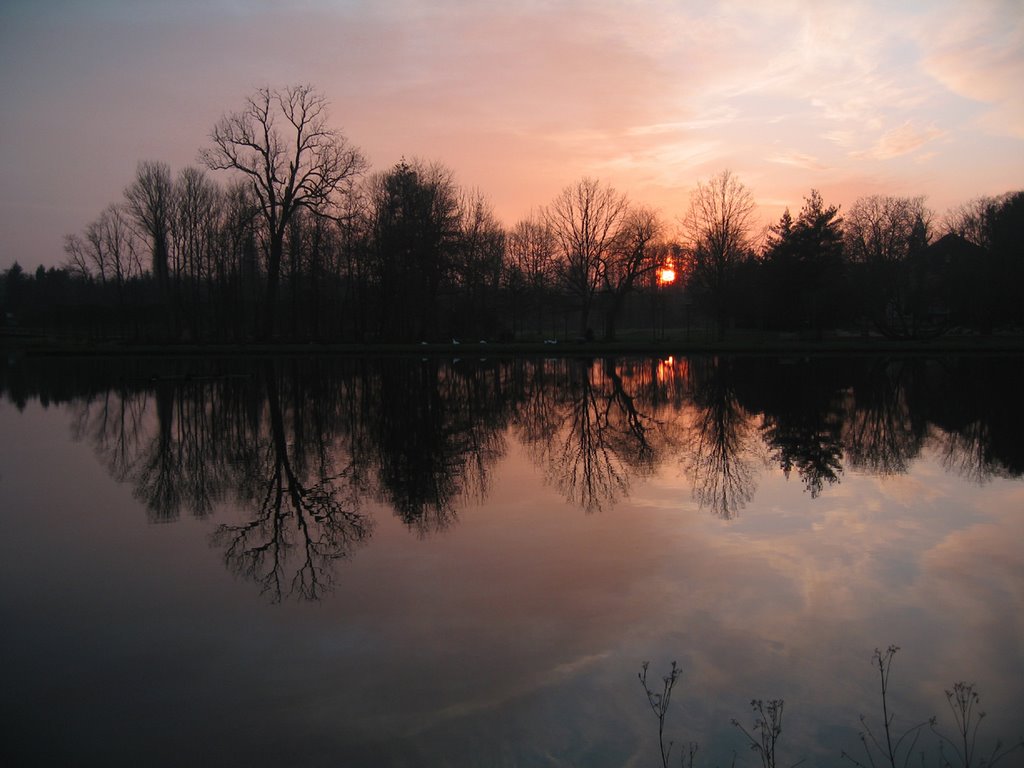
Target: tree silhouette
x: 281, y: 143
x: 108, y: 252
x: 529, y: 273
x: 581, y: 461
x: 885, y: 237
x: 718, y: 233
x: 586, y: 219
x: 150, y: 203
x: 628, y: 262
x: 477, y: 268
x: 282, y: 456
x: 1006, y: 233
x: 804, y: 266
x: 415, y: 235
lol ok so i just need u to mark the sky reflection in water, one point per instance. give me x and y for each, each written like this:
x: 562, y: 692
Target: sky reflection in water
x: 403, y: 561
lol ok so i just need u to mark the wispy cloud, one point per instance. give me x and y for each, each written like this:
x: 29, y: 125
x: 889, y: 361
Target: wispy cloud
x: 901, y: 140
x: 977, y: 51
x: 722, y: 115
x: 664, y: 160
x: 841, y: 137
x: 797, y: 160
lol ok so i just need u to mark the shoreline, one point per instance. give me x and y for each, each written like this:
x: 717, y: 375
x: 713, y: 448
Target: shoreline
x: 735, y: 343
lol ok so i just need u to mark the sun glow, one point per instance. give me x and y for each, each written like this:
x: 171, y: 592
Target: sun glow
x: 667, y: 274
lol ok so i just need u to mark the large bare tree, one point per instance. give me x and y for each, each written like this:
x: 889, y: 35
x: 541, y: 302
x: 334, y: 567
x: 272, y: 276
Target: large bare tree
x: 283, y: 144
x: 586, y: 219
x: 150, y: 203
x: 718, y: 228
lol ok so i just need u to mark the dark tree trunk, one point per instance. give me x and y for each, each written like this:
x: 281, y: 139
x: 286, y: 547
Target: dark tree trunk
x: 273, y: 279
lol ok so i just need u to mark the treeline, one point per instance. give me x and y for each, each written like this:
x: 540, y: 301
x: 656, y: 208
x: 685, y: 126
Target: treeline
x: 304, y: 243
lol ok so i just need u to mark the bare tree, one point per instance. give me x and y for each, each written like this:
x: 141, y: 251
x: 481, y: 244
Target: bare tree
x: 718, y: 230
x: 282, y: 143
x: 195, y: 236
x: 530, y: 250
x: 969, y: 220
x: 975, y: 219
x: 481, y: 242
x: 150, y: 202
x: 237, y: 263
x: 882, y: 235
x: 106, y: 251
x: 883, y: 229
x: 477, y: 272
x: 304, y: 518
x: 78, y: 261
x: 585, y: 219
x: 632, y: 257
x: 121, y: 247
x: 529, y: 266
x: 354, y: 267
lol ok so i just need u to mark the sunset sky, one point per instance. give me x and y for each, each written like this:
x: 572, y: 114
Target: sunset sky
x: 522, y: 98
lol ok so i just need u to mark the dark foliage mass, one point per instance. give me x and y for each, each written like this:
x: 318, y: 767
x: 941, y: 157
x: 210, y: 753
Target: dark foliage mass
x: 301, y: 242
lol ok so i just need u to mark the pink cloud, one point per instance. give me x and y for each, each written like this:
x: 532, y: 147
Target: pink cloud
x: 901, y: 140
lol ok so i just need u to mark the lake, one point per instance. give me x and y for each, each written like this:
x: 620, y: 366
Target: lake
x: 405, y: 561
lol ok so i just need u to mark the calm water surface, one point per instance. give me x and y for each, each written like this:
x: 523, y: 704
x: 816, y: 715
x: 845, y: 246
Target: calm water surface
x: 437, y: 562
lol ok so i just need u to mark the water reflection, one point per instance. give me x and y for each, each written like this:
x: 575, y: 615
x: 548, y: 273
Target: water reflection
x: 594, y: 427
x: 722, y: 445
x: 303, y: 512
x: 300, y: 447
x: 434, y: 432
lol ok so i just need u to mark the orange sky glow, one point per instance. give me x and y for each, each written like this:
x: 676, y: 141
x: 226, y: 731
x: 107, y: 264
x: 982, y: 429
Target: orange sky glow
x: 522, y: 99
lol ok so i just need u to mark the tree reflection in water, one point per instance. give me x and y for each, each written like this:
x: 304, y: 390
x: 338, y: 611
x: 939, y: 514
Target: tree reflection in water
x: 310, y: 522
x: 977, y: 417
x: 802, y: 409
x: 593, y: 428
x: 299, y: 446
x: 722, y: 445
x: 881, y: 434
x: 437, y: 431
